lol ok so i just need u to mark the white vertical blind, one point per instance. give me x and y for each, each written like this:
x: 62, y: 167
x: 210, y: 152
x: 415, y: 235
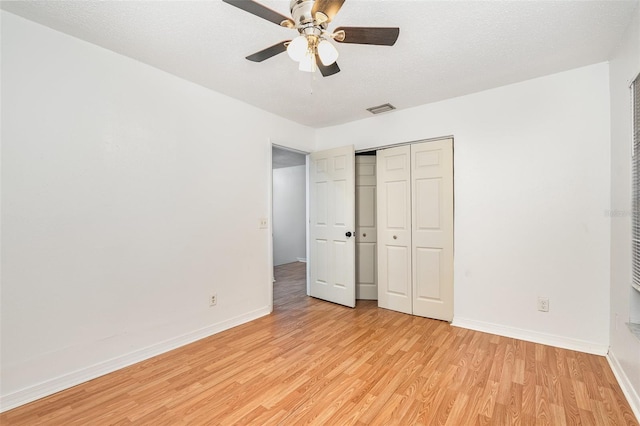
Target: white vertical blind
x: 635, y: 93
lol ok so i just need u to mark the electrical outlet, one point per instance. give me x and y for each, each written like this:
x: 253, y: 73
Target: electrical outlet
x: 213, y: 300
x: 263, y: 223
x: 543, y: 304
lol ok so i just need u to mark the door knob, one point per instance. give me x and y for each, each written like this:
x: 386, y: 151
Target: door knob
x: 364, y: 234
x: 347, y: 234
x: 395, y: 237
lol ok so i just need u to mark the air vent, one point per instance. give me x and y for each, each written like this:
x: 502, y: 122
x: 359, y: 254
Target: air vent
x: 381, y: 108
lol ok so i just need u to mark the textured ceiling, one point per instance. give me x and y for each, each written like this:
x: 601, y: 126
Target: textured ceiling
x: 445, y: 49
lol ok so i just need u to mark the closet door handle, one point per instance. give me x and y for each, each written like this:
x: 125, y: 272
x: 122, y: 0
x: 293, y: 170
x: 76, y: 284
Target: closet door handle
x: 395, y: 237
x: 348, y: 234
x: 364, y: 234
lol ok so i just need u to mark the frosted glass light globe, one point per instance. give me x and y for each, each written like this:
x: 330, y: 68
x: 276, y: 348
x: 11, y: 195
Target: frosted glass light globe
x: 327, y: 52
x: 298, y: 48
x: 308, y: 63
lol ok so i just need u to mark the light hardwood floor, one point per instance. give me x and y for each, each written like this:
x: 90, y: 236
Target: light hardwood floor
x: 319, y: 363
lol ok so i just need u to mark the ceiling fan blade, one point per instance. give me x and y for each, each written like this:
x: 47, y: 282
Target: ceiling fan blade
x: 262, y: 11
x: 269, y: 52
x: 369, y: 35
x: 327, y: 70
x: 328, y: 7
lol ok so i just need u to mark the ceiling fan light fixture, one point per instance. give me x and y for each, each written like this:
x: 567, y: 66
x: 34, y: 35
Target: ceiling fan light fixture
x: 308, y: 63
x: 298, y: 48
x: 313, y: 48
x: 327, y: 52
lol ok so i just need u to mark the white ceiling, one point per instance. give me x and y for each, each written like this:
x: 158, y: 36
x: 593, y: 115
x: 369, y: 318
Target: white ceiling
x: 445, y: 49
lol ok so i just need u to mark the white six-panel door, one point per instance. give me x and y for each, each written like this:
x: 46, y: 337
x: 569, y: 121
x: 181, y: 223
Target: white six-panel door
x: 332, y: 224
x: 366, y: 269
x: 394, y: 228
x: 432, y: 229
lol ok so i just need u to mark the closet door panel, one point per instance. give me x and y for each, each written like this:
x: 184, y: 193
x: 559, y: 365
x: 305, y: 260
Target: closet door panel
x: 398, y: 278
x: 428, y: 274
x: 366, y: 238
x: 432, y: 229
x: 428, y: 207
x: 394, y: 228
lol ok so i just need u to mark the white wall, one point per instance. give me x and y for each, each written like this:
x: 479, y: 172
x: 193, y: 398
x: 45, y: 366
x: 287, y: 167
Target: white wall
x: 625, y: 348
x: 289, y: 213
x: 126, y: 202
x: 532, y: 183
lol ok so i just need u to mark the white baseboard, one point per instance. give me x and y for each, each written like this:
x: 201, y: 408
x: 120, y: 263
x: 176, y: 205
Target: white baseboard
x: 302, y: 259
x: 49, y: 387
x: 625, y: 384
x: 532, y: 336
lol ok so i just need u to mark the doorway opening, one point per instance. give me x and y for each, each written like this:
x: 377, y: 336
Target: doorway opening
x: 289, y: 224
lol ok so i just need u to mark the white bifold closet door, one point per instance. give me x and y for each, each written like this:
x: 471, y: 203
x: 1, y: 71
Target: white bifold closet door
x: 415, y: 229
x: 394, y: 228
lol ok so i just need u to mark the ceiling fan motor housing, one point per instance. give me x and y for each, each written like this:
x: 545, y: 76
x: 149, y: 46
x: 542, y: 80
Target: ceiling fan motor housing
x: 301, y: 11
x: 305, y: 21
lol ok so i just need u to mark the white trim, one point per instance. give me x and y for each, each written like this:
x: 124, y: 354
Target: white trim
x: 307, y: 221
x: 532, y: 336
x: 302, y: 259
x: 625, y: 384
x: 270, y: 272
x: 306, y: 194
x: 49, y: 387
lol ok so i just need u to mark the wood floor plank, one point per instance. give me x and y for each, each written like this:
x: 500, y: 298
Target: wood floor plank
x: 313, y: 362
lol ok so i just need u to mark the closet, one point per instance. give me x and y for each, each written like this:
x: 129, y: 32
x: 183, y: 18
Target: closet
x: 415, y: 228
x: 381, y: 227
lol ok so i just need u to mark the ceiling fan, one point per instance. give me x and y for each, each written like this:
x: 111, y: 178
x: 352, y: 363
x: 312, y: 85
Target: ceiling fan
x: 311, y: 19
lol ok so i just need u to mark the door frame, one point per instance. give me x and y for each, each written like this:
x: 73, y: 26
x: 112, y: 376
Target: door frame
x: 392, y: 145
x: 270, y: 277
